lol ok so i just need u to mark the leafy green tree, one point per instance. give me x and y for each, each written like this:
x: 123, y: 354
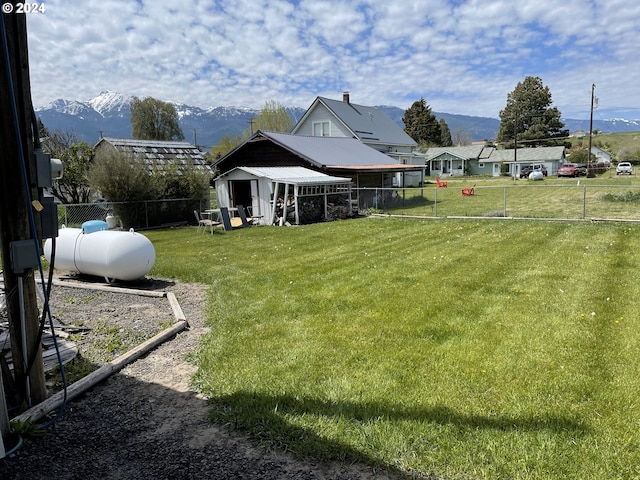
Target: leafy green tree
x: 421, y: 125
x: 227, y: 143
x: 75, y: 156
x: 128, y: 181
x: 124, y: 178
x: 153, y: 119
x: 273, y: 118
x: 445, y: 134
x: 529, y: 115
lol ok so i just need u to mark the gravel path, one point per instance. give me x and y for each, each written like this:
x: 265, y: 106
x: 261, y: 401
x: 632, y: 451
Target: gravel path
x: 144, y: 422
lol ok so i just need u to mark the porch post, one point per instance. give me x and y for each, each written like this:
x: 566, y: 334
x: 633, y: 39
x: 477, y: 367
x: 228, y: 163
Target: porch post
x: 284, y: 204
x: 275, y: 202
x: 295, y: 204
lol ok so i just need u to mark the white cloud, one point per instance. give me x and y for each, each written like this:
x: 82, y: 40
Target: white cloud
x: 462, y: 57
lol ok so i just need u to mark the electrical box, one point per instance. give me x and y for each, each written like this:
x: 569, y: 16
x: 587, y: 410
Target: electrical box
x: 24, y: 255
x: 48, y: 169
x: 49, y: 217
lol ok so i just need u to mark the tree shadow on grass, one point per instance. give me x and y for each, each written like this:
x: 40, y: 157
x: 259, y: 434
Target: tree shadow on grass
x: 267, y: 418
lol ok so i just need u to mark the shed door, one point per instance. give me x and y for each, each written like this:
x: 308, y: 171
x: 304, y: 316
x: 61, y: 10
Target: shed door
x: 243, y: 192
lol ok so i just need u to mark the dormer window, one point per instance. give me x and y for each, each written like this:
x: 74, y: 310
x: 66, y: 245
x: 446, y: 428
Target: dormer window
x: 321, y: 129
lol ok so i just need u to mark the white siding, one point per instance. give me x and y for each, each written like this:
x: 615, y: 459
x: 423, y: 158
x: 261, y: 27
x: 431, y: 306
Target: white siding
x: 321, y: 114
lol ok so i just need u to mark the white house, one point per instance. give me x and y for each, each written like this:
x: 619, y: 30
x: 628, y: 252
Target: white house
x: 370, y: 126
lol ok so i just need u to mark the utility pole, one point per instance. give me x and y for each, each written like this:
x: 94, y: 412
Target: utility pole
x: 515, y: 144
x: 18, y: 185
x: 593, y: 89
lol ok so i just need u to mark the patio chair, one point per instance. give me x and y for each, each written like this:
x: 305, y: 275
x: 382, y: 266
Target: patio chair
x: 204, y: 222
x: 469, y: 191
x: 440, y: 183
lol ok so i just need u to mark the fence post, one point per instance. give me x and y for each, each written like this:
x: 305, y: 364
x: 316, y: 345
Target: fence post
x: 584, y: 202
x: 504, y: 213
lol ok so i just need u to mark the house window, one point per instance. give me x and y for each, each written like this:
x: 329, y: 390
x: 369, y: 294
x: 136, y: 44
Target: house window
x: 481, y: 165
x: 321, y: 129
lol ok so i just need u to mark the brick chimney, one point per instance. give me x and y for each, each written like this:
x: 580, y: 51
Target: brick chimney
x: 345, y: 97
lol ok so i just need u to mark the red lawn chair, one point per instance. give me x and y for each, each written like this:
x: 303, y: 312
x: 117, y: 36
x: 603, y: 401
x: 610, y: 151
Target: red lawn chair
x: 469, y: 191
x: 440, y: 183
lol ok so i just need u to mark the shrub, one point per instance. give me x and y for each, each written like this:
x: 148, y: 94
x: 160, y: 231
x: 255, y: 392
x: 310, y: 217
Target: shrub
x: 130, y: 183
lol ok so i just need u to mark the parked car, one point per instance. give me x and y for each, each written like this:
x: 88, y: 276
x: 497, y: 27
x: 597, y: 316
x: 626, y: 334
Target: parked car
x: 572, y: 170
x: 526, y: 171
x: 624, y: 168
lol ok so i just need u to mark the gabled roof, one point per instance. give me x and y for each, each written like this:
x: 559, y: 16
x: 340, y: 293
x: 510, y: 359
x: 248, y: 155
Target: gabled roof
x: 528, y: 154
x: 367, y: 124
x: 158, y: 153
x: 293, y: 175
x: 467, y: 152
x: 325, y: 152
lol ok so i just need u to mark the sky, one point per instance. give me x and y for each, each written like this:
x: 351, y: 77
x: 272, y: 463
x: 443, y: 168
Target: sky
x: 461, y: 56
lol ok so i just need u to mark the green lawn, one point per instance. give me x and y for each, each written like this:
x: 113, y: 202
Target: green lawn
x: 460, y: 348
x: 605, y: 196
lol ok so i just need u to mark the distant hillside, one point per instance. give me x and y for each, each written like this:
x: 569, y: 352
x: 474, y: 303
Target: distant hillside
x: 108, y: 115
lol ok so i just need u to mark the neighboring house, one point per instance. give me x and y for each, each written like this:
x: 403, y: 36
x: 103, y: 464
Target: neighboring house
x: 156, y: 154
x: 341, y: 157
x: 487, y: 160
x: 511, y: 162
x: 370, y: 126
x: 458, y: 161
x: 301, y: 195
x: 601, y: 156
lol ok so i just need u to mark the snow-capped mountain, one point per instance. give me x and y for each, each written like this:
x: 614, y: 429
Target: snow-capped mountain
x: 110, y: 103
x: 109, y: 115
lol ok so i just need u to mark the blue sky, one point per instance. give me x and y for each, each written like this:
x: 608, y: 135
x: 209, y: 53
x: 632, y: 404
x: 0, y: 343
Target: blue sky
x: 461, y: 56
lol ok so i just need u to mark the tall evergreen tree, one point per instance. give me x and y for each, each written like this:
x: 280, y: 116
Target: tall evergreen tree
x: 153, y: 119
x: 529, y: 115
x: 445, y: 134
x: 421, y: 125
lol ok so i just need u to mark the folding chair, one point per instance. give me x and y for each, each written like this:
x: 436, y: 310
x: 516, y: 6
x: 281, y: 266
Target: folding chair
x: 204, y: 222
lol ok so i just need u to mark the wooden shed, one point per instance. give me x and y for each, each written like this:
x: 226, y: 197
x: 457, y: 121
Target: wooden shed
x: 280, y: 195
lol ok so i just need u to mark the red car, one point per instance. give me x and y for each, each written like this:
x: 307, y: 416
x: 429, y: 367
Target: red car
x: 571, y: 170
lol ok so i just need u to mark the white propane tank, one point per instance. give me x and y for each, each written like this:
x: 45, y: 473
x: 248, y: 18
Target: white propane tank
x: 114, y: 255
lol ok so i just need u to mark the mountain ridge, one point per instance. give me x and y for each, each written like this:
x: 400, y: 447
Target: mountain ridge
x: 108, y: 115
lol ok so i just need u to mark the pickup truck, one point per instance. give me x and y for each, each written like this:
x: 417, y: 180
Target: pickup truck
x: 624, y: 168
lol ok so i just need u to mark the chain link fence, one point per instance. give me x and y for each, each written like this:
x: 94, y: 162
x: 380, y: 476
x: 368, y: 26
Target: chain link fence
x: 137, y: 215
x: 573, y: 202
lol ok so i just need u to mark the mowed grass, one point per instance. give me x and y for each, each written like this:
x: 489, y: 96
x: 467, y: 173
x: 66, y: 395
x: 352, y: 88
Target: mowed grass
x: 458, y: 348
x: 604, y: 196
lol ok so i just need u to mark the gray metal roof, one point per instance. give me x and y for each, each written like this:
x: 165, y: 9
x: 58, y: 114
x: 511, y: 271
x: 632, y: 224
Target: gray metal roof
x: 331, y: 151
x: 467, y: 152
x: 294, y: 175
x: 540, y: 154
x: 157, y: 152
x: 368, y: 124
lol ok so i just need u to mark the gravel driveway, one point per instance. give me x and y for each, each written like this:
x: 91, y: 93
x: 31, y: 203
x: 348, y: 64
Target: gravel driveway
x: 145, y: 422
